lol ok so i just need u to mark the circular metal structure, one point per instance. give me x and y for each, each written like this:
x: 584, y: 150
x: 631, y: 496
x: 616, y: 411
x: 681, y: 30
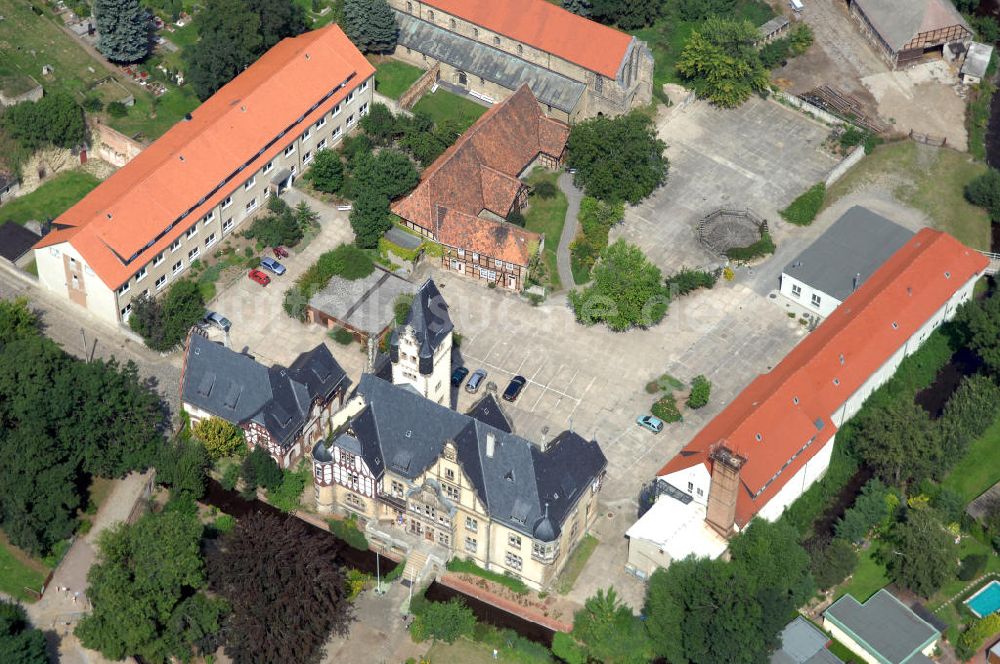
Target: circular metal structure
x: 723, y: 229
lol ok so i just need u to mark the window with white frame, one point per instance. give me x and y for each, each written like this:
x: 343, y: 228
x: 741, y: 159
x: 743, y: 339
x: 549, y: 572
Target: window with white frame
x: 321, y: 122
x: 158, y: 259
x: 514, y: 561
x: 227, y: 202
x: 250, y: 183
x: 514, y: 541
x: 127, y: 310
x: 335, y: 133
x: 364, y: 109
x: 267, y: 193
x: 307, y: 156
x: 178, y: 266
x: 471, y: 545
x: 350, y: 120
x: 210, y: 240
x: 363, y: 86
x: 321, y: 144
x: 496, y: 41
x: 472, y: 525
x: 191, y: 232
x: 228, y: 225
x: 336, y: 110
x: 290, y: 149
x: 796, y: 290
x: 208, y: 217
x: 193, y: 254
x: 175, y: 245
x: 251, y: 205
x: 141, y: 274
x: 268, y: 166
x: 350, y: 97
x: 306, y: 134
x: 452, y: 492
x: 124, y: 288
x: 161, y: 281
x: 816, y: 300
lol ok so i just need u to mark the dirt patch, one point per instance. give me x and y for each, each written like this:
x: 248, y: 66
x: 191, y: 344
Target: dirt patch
x: 925, y: 99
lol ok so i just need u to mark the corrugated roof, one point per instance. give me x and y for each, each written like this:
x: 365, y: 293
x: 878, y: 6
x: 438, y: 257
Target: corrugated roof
x: 122, y: 216
x: 899, y: 21
x: 781, y: 419
x: 547, y: 27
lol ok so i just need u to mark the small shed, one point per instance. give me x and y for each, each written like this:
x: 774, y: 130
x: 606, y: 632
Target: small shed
x: 16, y: 242
x: 772, y: 30
x: 977, y: 60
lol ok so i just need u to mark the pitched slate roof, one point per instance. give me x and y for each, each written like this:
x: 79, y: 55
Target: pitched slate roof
x: 428, y: 318
x: 151, y: 201
x: 855, y: 245
x: 884, y: 626
x: 521, y: 486
x: 790, y: 407
x: 15, y: 240
x: 547, y: 27
x: 489, y: 411
x: 899, y: 21
x: 478, y: 59
x: 480, y: 171
x: 238, y: 389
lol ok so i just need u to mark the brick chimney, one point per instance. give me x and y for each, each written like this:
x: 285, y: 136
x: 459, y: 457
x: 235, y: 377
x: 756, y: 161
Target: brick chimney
x: 724, y: 489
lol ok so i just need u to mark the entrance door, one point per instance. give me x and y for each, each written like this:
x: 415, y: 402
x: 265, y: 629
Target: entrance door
x: 429, y: 535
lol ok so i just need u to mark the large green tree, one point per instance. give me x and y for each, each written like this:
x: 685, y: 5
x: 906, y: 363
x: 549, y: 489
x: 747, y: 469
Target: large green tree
x: 275, y: 571
x: 922, y: 556
x: 371, y: 25
x: 230, y: 41
x: 124, y: 28
x: 982, y: 320
x: 164, y: 323
x: 20, y: 643
x: 55, y: 119
x: 617, y: 159
x: 720, y: 60
x: 327, y: 172
x: 146, y: 592
x: 626, y: 14
x: 899, y: 441
x: 278, y: 19
x: 626, y: 291
x: 984, y: 191
x: 607, y: 631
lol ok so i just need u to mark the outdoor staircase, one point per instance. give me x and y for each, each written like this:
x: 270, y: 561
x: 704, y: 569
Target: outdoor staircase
x: 415, y: 563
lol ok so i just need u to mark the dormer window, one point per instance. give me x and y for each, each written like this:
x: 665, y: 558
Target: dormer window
x: 759, y: 437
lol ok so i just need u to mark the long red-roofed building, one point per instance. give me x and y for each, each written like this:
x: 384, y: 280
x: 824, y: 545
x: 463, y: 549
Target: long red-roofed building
x: 144, y: 226
x: 776, y: 437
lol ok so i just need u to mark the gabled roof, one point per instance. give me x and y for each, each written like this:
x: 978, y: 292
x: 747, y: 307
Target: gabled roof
x: 231, y: 135
x: 428, y: 318
x: 547, y: 27
x: 238, y: 389
x: 899, y: 21
x: 15, y: 240
x: 883, y: 626
x: 782, y: 419
x: 521, y: 486
x: 501, y: 240
x: 480, y: 171
x: 489, y: 411
x: 852, y: 248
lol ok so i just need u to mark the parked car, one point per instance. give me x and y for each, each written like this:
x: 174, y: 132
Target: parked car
x: 478, y: 376
x: 458, y: 375
x: 650, y: 422
x: 259, y: 277
x: 272, y: 265
x: 279, y: 252
x: 514, y: 388
x: 218, y: 320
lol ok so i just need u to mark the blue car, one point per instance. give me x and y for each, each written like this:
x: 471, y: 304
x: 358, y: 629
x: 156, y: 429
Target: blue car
x: 272, y: 265
x: 650, y: 422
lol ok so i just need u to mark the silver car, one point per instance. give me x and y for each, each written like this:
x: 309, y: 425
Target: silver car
x: 218, y: 320
x: 475, y: 380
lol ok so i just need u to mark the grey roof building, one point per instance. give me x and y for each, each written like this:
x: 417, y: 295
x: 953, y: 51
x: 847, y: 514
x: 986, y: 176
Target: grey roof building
x: 904, y: 30
x: 488, y: 411
x: 843, y: 257
x: 803, y: 643
x: 430, y: 322
x: 883, y: 627
x: 528, y: 489
x: 364, y: 306
x: 235, y: 387
x: 15, y: 241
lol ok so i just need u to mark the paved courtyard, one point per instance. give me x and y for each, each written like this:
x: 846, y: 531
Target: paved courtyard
x: 761, y: 155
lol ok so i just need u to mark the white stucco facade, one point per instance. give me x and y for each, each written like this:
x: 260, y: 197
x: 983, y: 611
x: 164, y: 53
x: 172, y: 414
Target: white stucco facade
x: 436, y: 385
x: 820, y: 303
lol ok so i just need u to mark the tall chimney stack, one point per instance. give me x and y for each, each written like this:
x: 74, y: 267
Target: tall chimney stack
x: 721, y: 511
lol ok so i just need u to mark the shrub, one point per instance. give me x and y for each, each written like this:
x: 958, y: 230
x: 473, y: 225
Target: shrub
x: 230, y: 477
x: 342, y: 336
x: 219, y: 437
x: 978, y: 631
x: 469, y: 567
x: 545, y: 189
x: 972, y: 566
x: 984, y: 191
x: 116, y: 109
x: 93, y: 104
x: 225, y: 523
x: 401, y: 308
x: 833, y: 563
x: 278, y: 228
x: 804, y: 209
x: 626, y: 291
x: 347, y: 530
x: 516, y: 217
x: 970, y: 410
x: 445, y: 621
x: 686, y: 281
x: 164, y: 323
x: 288, y: 494
x: 666, y: 409
x: 761, y: 247
x: 259, y: 470
x: 396, y: 572
x: 701, y: 389
x: 326, y: 172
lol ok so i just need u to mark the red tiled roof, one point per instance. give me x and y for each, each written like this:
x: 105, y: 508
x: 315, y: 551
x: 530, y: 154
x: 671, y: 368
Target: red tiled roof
x: 547, y: 27
x: 795, y: 401
x: 498, y: 239
x: 480, y: 171
x: 138, y: 202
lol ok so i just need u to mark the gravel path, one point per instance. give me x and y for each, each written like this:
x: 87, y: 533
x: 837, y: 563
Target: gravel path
x: 573, y: 196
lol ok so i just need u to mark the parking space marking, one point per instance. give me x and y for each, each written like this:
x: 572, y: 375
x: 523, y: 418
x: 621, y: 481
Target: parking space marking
x: 501, y: 370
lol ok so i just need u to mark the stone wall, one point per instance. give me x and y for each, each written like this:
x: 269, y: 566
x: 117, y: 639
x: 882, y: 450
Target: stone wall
x: 417, y: 90
x: 113, y: 146
x: 840, y: 169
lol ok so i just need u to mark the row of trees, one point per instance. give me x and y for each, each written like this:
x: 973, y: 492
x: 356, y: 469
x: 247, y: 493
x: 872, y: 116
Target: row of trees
x: 63, y: 421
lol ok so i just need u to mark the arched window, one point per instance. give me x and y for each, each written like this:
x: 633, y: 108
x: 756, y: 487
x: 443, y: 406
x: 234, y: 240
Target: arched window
x: 475, y: 33
x: 496, y: 41
x: 462, y: 78
x: 430, y: 15
x: 409, y: 6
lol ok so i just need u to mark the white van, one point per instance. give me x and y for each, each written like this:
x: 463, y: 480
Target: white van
x: 796, y: 5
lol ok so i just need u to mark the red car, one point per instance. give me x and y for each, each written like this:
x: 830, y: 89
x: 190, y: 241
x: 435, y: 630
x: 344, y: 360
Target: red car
x: 280, y: 252
x: 259, y: 277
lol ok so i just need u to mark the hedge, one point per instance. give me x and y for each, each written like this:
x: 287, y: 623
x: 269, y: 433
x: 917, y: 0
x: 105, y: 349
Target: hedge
x: 972, y: 639
x: 469, y: 567
x: 666, y: 409
x: 687, y: 281
x: 761, y: 247
x: 701, y: 389
x: 804, y: 209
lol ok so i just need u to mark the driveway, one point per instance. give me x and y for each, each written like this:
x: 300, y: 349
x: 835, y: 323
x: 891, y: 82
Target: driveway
x: 260, y: 324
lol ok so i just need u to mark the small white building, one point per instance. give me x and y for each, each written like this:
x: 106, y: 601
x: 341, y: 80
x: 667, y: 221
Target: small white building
x: 977, y: 61
x: 841, y: 259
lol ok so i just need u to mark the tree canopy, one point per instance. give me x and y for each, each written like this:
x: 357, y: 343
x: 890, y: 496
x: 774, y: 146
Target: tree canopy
x: 371, y: 25
x: 617, y: 159
x: 982, y: 321
x: 55, y: 119
x: 984, y: 191
x: 720, y: 60
x: 626, y: 291
x: 146, y: 592
x: 278, y: 19
x: 607, y: 631
x: 230, y: 41
x: 20, y: 643
x: 922, y: 557
x: 898, y: 441
x: 125, y: 30
x: 164, y: 323
x: 220, y: 438
x: 327, y: 171
x: 275, y: 570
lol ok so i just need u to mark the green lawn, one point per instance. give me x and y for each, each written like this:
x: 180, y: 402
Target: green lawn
x: 444, y: 106
x: 868, y: 577
x: 18, y: 570
x: 930, y: 179
x: 979, y: 468
x: 575, y: 564
x: 169, y: 108
x: 547, y: 216
x: 51, y: 199
x: 393, y: 78
x: 182, y: 37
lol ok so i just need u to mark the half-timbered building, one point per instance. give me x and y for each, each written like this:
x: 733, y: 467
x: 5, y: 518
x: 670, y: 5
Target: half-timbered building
x: 285, y: 410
